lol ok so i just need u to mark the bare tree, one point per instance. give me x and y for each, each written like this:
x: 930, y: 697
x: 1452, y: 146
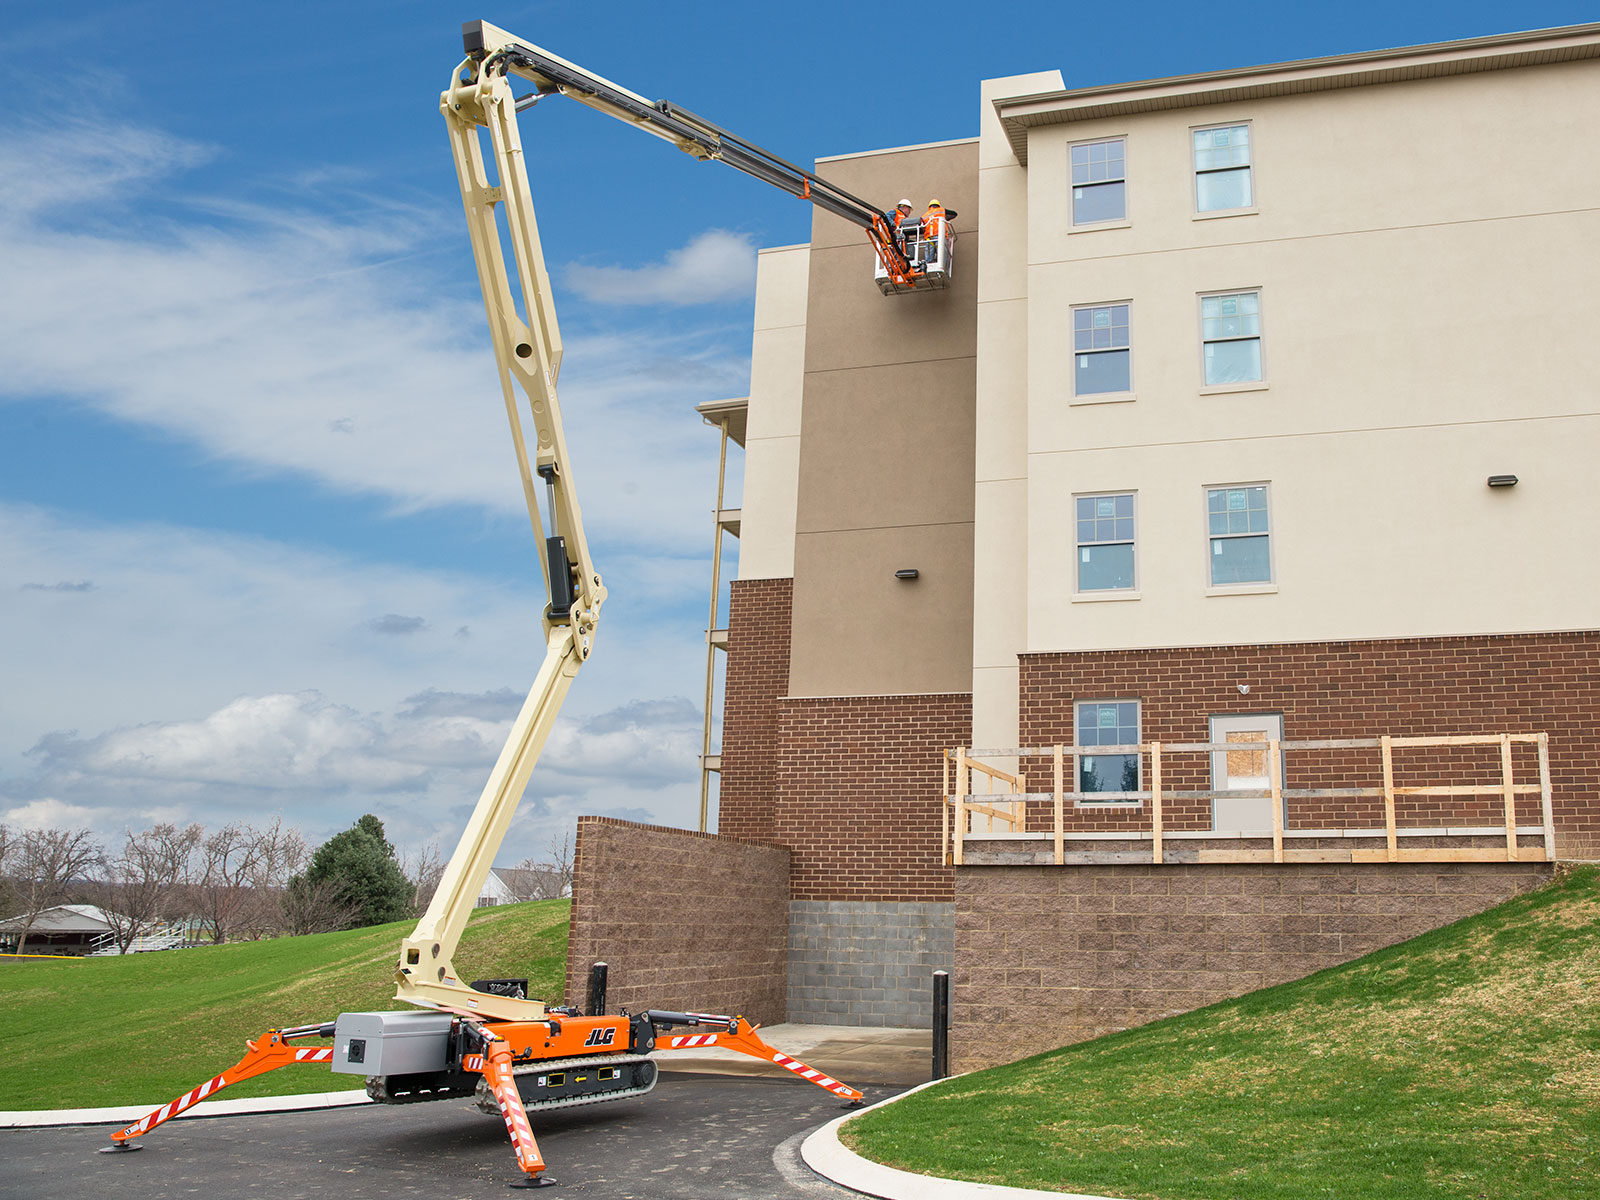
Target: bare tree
x: 46, y: 861
x: 305, y: 906
x: 280, y: 854
x: 8, y: 890
x: 424, y: 869
x: 230, y: 859
x: 141, y: 881
x: 550, y: 879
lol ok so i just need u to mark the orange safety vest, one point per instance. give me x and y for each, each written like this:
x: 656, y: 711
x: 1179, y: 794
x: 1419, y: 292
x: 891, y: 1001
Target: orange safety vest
x: 930, y: 223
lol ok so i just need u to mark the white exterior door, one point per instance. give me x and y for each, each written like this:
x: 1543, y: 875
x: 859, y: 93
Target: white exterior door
x: 1243, y: 769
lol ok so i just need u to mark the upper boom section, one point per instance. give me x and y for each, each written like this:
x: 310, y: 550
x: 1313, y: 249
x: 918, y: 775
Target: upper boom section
x: 496, y: 50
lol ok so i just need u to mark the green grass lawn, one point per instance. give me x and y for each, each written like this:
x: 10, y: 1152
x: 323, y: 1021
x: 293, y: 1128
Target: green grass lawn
x: 1464, y: 1063
x: 143, y: 1028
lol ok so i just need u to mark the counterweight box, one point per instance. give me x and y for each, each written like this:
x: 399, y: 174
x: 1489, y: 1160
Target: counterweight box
x: 391, y: 1043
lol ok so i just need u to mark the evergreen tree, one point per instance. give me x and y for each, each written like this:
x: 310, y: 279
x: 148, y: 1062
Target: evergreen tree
x: 361, y: 865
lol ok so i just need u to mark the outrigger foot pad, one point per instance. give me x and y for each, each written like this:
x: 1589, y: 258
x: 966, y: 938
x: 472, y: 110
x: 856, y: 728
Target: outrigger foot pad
x: 533, y: 1181
x: 121, y: 1148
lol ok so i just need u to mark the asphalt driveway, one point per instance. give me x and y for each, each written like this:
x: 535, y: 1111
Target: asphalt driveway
x: 695, y: 1136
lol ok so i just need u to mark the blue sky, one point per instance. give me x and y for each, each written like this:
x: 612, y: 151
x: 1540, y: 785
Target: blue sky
x: 262, y: 547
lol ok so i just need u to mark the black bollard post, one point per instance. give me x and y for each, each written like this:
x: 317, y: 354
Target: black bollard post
x: 941, y: 1024
x: 597, y: 990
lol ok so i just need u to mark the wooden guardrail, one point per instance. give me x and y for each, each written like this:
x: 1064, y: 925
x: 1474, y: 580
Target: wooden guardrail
x: 1009, y: 805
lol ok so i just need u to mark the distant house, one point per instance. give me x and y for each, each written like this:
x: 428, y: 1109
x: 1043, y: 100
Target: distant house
x: 506, y: 885
x: 65, y: 929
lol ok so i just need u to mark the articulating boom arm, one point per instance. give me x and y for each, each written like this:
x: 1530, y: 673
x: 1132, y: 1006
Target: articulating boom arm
x: 495, y: 51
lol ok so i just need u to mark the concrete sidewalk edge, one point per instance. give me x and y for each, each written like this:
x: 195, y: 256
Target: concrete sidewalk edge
x: 125, y: 1113
x: 825, y: 1154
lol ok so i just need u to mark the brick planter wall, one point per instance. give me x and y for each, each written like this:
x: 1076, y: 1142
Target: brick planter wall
x: 685, y: 920
x: 1046, y: 956
x: 1413, y: 686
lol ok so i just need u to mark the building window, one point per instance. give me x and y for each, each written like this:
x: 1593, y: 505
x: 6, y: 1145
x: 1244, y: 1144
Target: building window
x: 1105, y: 542
x: 1108, y: 723
x: 1241, y: 550
x: 1099, y: 183
x: 1102, y: 361
x: 1230, y: 332
x: 1222, y: 168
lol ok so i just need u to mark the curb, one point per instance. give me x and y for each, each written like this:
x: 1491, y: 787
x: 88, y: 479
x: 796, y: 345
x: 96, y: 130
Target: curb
x: 126, y: 1113
x: 825, y: 1154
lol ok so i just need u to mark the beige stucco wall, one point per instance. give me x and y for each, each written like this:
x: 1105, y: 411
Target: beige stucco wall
x: 772, y: 434
x: 886, y: 449
x: 1000, y: 492
x: 1425, y: 255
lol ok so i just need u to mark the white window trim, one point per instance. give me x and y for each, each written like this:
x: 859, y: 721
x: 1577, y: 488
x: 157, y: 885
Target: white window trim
x: 1077, y: 776
x: 1128, y: 593
x: 1257, y: 587
x: 1126, y: 219
x: 1073, y: 352
x: 1250, y: 209
x: 1218, y: 389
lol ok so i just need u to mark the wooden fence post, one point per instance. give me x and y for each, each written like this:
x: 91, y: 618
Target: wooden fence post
x: 1547, y: 809
x: 1155, y: 799
x: 1510, y: 797
x: 959, y: 833
x: 1386, y: 743
x: 1060, y: 816
x: 1275, y: 786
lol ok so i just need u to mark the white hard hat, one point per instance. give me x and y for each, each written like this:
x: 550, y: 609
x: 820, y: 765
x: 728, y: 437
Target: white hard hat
x: 904, y: 204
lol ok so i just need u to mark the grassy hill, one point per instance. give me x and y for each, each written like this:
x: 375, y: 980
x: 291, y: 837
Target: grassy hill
x: 1464, y: 1063
x: 143, y: 1028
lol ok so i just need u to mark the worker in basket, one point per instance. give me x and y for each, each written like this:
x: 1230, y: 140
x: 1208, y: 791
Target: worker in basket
x: 934, y: 223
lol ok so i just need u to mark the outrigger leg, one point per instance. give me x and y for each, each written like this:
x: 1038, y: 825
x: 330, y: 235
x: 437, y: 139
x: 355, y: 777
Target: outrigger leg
x: 738, y: 1034
x: 268, y: 1053
x: 494, y: 1062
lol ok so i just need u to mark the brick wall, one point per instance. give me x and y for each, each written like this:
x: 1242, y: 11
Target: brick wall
x: 1046, y: 956
x: 685, y: 920
x: 858, y: 785
x: 757, y: 674
x: 1416, y: 686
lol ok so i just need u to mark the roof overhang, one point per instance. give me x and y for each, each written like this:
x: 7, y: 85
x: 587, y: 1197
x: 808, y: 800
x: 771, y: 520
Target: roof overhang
x: 733, y: 413
x: 1539, y: 47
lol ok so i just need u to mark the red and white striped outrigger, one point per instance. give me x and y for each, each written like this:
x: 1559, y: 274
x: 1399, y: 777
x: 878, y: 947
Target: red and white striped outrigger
x: 494, y: 1049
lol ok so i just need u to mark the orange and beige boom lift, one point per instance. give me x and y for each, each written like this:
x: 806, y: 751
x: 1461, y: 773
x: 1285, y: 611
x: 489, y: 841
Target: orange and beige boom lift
x: 487, y: 1039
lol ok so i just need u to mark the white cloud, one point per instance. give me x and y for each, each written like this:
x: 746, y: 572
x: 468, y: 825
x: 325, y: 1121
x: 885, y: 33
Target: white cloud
x: 284, y: 339
x: 716, y: 265
x: 211, y: 677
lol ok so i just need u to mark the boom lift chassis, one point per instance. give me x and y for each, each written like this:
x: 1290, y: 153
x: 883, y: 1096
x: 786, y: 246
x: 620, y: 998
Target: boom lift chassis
x: 512, y: 1053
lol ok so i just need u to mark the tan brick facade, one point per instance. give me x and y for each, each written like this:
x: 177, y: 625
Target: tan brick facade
x: 684, y: 920
x: 757, y: 675
x: 1414, y: 686
x: 1046, y: 956
x: 858, y: 780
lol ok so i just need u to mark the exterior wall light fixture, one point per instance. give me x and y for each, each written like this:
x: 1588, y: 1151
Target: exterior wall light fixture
x: 906, y: 573
x: 1502, y: 481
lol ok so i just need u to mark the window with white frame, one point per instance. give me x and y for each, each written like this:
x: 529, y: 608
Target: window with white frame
x: 1230, y: 336
x: 1222, y: 168
x: 1099, y: 182
x: 1102, y: 353
x: 1239, y: 529
x: 1105, y: 542
x: 1107, y: 723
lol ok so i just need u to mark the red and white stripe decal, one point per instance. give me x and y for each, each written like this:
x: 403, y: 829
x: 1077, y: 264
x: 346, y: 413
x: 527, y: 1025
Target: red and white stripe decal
x: 472, y: 1062
x: 681, y: 1041
x: 314, y: 1055
x: 805, y: 1072
x: 167, y: 1111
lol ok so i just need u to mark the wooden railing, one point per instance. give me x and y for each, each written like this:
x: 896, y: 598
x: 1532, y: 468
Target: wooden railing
x: 961, y: 803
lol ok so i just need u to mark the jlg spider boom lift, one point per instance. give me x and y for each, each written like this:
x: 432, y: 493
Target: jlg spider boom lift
x: 489, y: 1040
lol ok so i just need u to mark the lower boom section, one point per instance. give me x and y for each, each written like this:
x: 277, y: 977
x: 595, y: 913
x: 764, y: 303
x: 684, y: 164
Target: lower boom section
x: 511, y: 1068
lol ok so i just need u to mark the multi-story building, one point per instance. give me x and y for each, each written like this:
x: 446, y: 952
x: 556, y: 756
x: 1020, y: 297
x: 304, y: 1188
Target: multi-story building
x: 1261, y: 409
x: 1263, y: 400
